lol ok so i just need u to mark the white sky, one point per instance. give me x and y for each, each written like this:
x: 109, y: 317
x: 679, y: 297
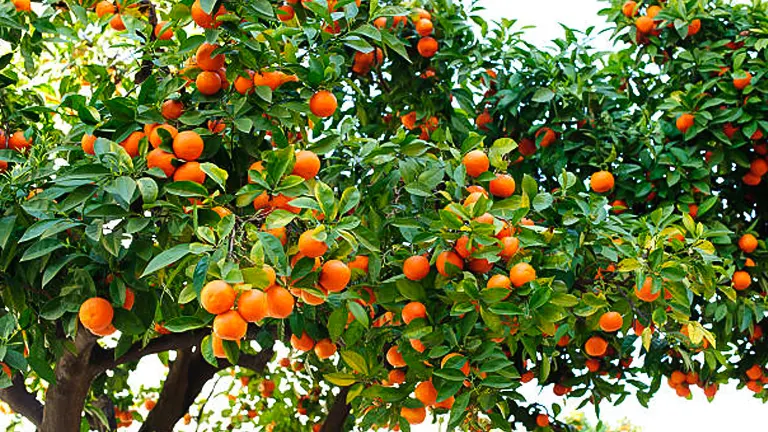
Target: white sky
x: 731, y: 409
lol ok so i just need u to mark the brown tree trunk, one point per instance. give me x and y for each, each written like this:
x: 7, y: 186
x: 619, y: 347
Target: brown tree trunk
x: 338, y: 413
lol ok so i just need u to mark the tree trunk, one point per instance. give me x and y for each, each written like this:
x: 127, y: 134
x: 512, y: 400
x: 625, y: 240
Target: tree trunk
x: 337, y: 414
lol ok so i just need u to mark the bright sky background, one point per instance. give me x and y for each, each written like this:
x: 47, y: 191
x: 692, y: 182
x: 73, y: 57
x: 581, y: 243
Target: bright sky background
x: 731, y: 410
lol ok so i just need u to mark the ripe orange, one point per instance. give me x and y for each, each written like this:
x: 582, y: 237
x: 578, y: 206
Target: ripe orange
x: 18, y: 142
x: 483, y: 119
x: 499, y: 281
x: 413, y: 415
x: 629, y: 9
x: 751, y: 179
x: 203, y: 19
x: 510, y: 246
x: 222, y: 211
x: 335, y: 276
x: 360, y: 262
x: 154, y: 136
x: 645, y: 293
x: 413, y: 310
x: 424, y: 27
x: 611, y: 322
x: 755, y: 372
x: 461, y: 247
x: 205, y: 61
x: 163, y: 35
x: 694, y: 27
x: 684, y: 122
x: 593, y: 365
x: 131, y: 144
x: 307, y: 165
x: 285, y: 13
x: 741, y: 280
x: 217, y: 297
x: 279, y: 302
x: 188, y: 145
x: 395, y: 358
x: 230, y: 326
x: 208, y: 83
x: 244, y: 85
x: 644, y: 24
x: 309, y: 247
x: 106, y: 331
x: 190, y: 171
x: 252, y: 305
x: 417, y: 345
x: 323, y: 104
x: 117, y: 23
x: 595, y: 346
x: 427, y: 47
x: 748, y: 243
x: 449, y: 257
x: 416, y: 267
x: 172, y: 109
x: 303, y: 343
x: 325, y: 348
x: 502, y: 186
x: 480, y: 265
x: 130, y: 298
x: 396, y: 376
x: 476, y: 162
x: 521, y: 273
x: 426, y: 393
x: 653, y: 11
x: 758, y: 167
x: 601, y: 181
x: 549, y: 136
x: 87, y: 143
x: 96, y: 314
x: 159, y: 158
x: 741, y: 83
x: 105, y: 7
x: 542, y: 420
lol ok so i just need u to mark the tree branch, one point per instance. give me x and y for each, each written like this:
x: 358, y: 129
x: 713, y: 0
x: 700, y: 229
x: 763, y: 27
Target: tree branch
x: 338, y: 413
x: 103, y: 359
x: 22, y: 401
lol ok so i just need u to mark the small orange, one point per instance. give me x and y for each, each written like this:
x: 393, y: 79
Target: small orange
x: 334, y: 276
x: 307, y: 165
x: 18, y: 142
x: 502, y: 186
x: 172, y: 109
x: 190, y: 171
x: 163, y: 35
x: 413, y: 310
x: 154, y: 136
x: 310, y: 247
x: 188, y: 145
x: 542, y: 420
x: 244, y: 85
x: 280, y: 302
x: 325, y: 348
x: 396, y: 376
x: 464, y: 368
x: 105, y: 7
x: 595, y: 346
x: 446, y: 404
x: 130, y: 298
x: 521, y: 273
x: 131, y: 144
x: 644, y: 24
x: 413, y: 415
x: 758, y: 167
x: 601, y: 181
x: 205, y: 61
x: 449, y: 257
x: 417, y: 345
x: 645, y: 293
x: 323, y: 104
x: 741, y: 83
x: 510, y: 245
x: 395, y: 358
x: 427, y: 46
x: 476, y: 162
x: 159, y: 158
x: 285, y: 13
x: 208, y: 83
x: 426, y: 393
x: 499, y: 281
x: 652, y: 11
x: 217, y: 297
x: 748, y: 243
x: 629, y: 9
x: 96, y: 314
x: 222, y: 211
x: 252, y: 305
x: 117, y: 23
x: 424, y: 27
x: 416, y: 267
x: 548, y: 136
x: 611, y: 322
x: 360, y: 262
x: 230, y: 326
x: 87, y: 143
x: 741, y: 280
x: 303, y: 343
x: 684, y: 122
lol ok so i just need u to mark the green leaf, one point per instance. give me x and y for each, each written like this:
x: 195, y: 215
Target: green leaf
x: 274, y: 251
x: 280, y: 218
x: 123, y: 187
x: 542, y: 201
x: 218, y: 175
x: 127, y: 322
x: 355, y: 361
x: 500, y: 148
x: 358, y: 44
x: 506, y: 309
x: 350, y: 198
x: 184, y: 323
x: 340, y: 379
x: 148, y: 189
x: 336, y: 323
x: 543, y: 95
x: 394, y: 43
x: 42, y: 368
x: 6, y: 227
x: 166, y: 258
x: 54, y: 268
x: 41, y: 248
x: 186, y: 189
x: 324, y: 196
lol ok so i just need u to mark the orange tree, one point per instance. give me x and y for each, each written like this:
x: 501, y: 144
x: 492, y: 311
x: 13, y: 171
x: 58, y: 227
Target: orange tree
x: 427, y: 210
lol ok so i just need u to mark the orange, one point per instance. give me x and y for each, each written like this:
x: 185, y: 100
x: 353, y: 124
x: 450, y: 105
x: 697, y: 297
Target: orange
x: 221, y: 211
x: 230, y: 326
x: 395, y: 358
x: 105, y: 8
x: 548, y: 138
x: 684, y: 122
x: 449, y: 257
x: 480, y: 265
x: 208, y: 83
x: 130, y: 299
x: 163, y: 35
x: 273, y: 80
x: 611, y: 322
x: 203, y: 19
x: 758, y: 167
x: 303, y: 343
x: 360, y: 262
x: 446, y: 404
x: 217, y: 297
x: 601, y: 181
x: 281, y: 201
x: 542, y: 420
x: 190, y: 171
x: 325, y: 348
x: 416, y: 267
x: 279, y: 302
x: 334, y: 276
x: 424, y: 27
x: 483, y: 120
x: 396, y: 376
x: 644, y: 24
x: 154, y: 137
x: 510, y: 246
x: 521, y: 273
x: 172, y: 109
x: 18, y: 142
x: 280, y: 233
x: 323, y: 104
x: 595, y: 346
x: 252, y: 305
x: 87, y: 143
x: 755, y: 372
x: 645, y: 293
x: 751, y: 179
x: 499, y: 281
x: 131, y: 144
x: 473, y: 198
x: 461, y: 247
x: 502, y: 186
x: 106, y: 331
x: 244, y: 85
x: 427, y: 47
x: 464, y: 369
x: 741, y: 280
x: 309, y: 247
x: 417, y: 345
x: 311, y: 299
x: 741, y: 83
x: 413, y: 415
x: 307, y: 165
x: 694, y: 26
x: 413, y: 310
x: 188, y: 145
x: 205, y: 61
x: 593, y: 365
x: 476, y: 162
x: 748, y: 243
x: 285, y: 13
x: 218, y: 346
x: 629, y: 9
x: 117, y: 23
x: 426, y: 393
x: 653, y: 11
x: 96, y: 314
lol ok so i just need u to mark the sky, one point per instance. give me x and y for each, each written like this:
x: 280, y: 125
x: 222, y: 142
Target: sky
x: 731, y: 410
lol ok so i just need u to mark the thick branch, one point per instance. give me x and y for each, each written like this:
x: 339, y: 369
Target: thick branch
x: 338, y: 413
x: 103, y: 360
x: 22, y: 401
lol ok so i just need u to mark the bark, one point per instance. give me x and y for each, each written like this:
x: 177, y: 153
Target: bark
x: 338, y: 413
x: 22, y: 401
x: 65, y: 399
